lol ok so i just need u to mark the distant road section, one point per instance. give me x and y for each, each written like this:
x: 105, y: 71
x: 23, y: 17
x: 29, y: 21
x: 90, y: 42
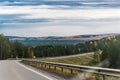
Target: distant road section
x: 13, y: 70
x: 76, y: 55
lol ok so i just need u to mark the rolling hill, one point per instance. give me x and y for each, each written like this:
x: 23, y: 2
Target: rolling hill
x: 77, y: 37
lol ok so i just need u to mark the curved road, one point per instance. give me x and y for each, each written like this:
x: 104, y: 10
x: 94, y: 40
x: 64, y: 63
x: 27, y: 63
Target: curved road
x: 13, y: 70
x: 69, y: 56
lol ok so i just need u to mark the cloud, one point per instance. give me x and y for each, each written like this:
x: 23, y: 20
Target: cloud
x: 80, y: 14
x: 34, y: 12
x: 45, y: 13
x: 58, y: 29
x: 26, y: 19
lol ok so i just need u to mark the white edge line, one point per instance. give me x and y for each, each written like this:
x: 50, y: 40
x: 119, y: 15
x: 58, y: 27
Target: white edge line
x: 35, y: 71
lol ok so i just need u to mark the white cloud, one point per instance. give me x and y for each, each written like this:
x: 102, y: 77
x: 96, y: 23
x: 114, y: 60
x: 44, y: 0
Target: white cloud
x: 44, y: 12
x: 69, y: 20
x: 58, y: 29
x: 84, y: 14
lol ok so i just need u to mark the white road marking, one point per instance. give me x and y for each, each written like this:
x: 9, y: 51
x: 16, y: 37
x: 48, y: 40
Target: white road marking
x: 35, y: 72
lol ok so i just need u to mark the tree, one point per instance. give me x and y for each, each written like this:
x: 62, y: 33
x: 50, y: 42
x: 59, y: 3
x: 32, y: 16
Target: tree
x: 97, y: 56
x: 14, y: 49
x: 5, y: 47
x: 111, y: 52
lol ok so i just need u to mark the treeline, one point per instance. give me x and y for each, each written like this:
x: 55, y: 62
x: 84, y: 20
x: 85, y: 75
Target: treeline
x: 107, y: 51
x: 13, y: 49
x: 18, y: 50
x: 62, y: 50
x: 5, y: 47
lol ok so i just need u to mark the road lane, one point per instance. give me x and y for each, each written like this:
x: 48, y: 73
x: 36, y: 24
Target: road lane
x: 12, y: 70
x: 69, y: 56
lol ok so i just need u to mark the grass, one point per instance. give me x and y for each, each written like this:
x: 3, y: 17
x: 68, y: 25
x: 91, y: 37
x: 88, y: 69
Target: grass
x: 79, y: 60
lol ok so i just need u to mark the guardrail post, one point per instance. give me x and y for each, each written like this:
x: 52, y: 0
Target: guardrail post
x: 103, y: 77
x: 41, y: 65
x: 97, y: 77
x: 45, y: 65
x: 36, y: 64
x: 71, y: 71
x: 49, y: 66
x: 54, y: 67
x: 61, y: 69
x: 84, y: 75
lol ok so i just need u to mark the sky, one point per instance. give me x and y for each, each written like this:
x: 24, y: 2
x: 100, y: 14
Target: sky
x: 38, y: 18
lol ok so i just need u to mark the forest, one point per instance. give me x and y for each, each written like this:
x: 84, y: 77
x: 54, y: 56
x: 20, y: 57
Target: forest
x: 107, y: 50
x: 15, y: 49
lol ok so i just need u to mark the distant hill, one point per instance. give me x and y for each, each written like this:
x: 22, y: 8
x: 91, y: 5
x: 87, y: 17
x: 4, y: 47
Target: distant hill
x: 77, y: 37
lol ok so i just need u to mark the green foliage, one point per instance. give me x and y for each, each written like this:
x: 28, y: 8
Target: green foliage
x: 61, y: 50
x: 97, y: 56
x: 12, y: 49
x: 109, y: 47
x: 111, y: 52
x: 19, y: 50
x: 79, y: 60
x: 4, y: 47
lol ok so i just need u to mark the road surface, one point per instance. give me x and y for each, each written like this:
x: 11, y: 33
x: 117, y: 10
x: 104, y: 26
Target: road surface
x: 13, y: 70
x: 69, y: 56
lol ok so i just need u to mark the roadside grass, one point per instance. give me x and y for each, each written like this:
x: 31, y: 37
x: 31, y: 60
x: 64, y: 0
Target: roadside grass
x: 79, y: 60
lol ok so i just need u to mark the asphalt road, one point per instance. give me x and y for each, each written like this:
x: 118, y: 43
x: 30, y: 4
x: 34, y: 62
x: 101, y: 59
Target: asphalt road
x: 81, y: 54
x: 13, y: 70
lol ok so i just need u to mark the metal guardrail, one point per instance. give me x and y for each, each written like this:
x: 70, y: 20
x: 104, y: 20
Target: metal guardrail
x: 95, y: 70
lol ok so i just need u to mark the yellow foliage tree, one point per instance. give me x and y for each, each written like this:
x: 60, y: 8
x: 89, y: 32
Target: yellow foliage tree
x: 33, y: 56
x: 97, y: 55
